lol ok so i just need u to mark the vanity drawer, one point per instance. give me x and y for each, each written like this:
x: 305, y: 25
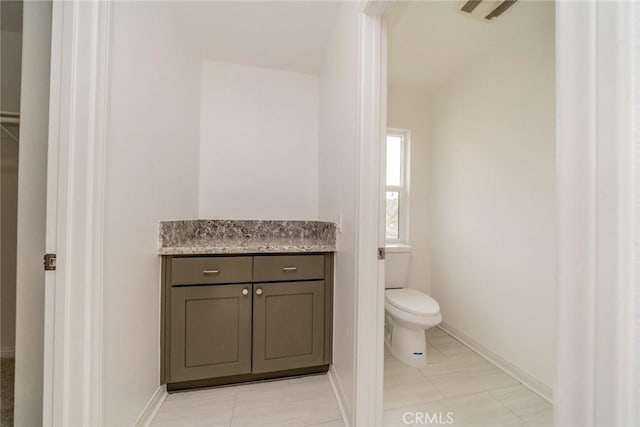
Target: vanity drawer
x: 288, y: 267
x: 205, y: 270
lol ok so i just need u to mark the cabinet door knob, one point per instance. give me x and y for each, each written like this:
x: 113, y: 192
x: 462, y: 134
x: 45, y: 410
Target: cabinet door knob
x: 210, y: 271
x: 258, y: 291
x: 289, y: 268
x: 245, y: 291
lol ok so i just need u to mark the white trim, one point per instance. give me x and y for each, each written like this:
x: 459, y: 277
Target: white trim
x: 369, y: 351
x: 52, y: 361
x: 629, y: 406
x: 369, y: 354
x: 378, y: 8
x: 509, y: 368
x: 368, y: 388
x: 338, y: 391
x: 597, y: 377
x: 94, y: 301
x: 628, y: 301
x: 404, y: 189
x: 73, y: 374
x: 398, y: 248
x: 8, y: 352
x: 152, y: 407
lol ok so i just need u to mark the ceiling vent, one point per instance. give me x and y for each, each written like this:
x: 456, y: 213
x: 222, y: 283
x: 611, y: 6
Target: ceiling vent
x: 487, y: 9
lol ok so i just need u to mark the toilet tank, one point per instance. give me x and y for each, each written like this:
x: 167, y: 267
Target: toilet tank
x: 396, y: 269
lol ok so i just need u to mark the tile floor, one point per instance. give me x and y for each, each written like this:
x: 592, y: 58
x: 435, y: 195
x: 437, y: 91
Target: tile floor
x: 305, y: 401
x: 456, y: 380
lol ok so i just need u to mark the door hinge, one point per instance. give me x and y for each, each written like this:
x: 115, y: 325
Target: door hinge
x: 49, y: 262
x: 381, y: 253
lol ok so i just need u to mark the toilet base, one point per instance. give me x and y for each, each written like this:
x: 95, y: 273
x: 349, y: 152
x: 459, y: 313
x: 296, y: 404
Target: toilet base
x: 406, y: 344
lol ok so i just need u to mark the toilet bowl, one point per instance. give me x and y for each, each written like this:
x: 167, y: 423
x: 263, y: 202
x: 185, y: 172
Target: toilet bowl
x: 408, y: 314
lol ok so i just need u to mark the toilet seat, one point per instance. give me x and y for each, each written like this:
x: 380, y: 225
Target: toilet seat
x: 412, y: 301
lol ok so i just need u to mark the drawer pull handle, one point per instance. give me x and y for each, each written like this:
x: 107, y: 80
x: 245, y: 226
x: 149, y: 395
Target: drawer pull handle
x: 245, y: 291
x: 211, y: 272
x: 289, y: 268
x: 258, y: 291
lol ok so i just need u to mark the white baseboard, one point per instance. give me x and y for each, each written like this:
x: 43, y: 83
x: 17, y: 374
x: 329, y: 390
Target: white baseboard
x: 524, y: 377
x: 340, y: 396
x: 8, y: 352
x: 151, y: 408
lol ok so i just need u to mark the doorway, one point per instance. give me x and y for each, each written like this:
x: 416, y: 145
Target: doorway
x: 583, y: 206
x: 479, y: 105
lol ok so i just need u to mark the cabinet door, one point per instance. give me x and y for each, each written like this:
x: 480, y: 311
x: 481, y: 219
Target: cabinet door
x: 210, y: 331
x: 288, y: 325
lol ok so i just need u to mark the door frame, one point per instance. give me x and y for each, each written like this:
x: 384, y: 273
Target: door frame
x: 599, y: 224
x: 369, y: 352
x: 592, y: 234
x: 78, y: 114
x: 598, y: 198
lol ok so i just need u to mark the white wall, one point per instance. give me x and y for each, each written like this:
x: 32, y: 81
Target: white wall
x: 493, y: 200
x: 410, y: 110
x: 258, y: 143
x: 152, y: 174
x: 251, y: 146
x: 338, y: 182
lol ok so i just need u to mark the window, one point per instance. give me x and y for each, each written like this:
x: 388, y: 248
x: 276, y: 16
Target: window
x: 397, y: 187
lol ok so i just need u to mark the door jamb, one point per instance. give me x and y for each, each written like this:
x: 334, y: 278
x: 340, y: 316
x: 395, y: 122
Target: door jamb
x: 598, y: 198
x: 370, y: 291
x: 78, y: 114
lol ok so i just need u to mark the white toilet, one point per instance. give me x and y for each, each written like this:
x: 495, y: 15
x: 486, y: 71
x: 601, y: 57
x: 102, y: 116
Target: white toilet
x: 408, y: 313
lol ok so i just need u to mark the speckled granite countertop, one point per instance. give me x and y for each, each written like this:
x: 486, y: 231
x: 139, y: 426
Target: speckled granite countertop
x: 210, y: 237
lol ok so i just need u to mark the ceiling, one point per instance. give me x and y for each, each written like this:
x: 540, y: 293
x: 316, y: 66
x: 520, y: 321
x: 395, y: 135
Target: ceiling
x: 430, y: 41
x: 282, y: 35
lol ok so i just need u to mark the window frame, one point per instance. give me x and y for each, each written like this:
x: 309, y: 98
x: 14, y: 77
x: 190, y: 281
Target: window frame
x: 403, y: 189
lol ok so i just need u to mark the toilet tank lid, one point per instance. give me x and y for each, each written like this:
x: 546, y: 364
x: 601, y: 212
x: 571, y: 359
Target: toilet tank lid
x: 412, y: 301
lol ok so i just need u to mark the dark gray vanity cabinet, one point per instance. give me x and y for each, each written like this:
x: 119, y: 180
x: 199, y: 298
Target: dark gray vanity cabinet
x: 229, y: 319
x: 210, y: 331
x: 288, y: 325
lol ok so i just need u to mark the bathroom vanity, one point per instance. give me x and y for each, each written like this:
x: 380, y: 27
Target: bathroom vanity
x: 245, y: 300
